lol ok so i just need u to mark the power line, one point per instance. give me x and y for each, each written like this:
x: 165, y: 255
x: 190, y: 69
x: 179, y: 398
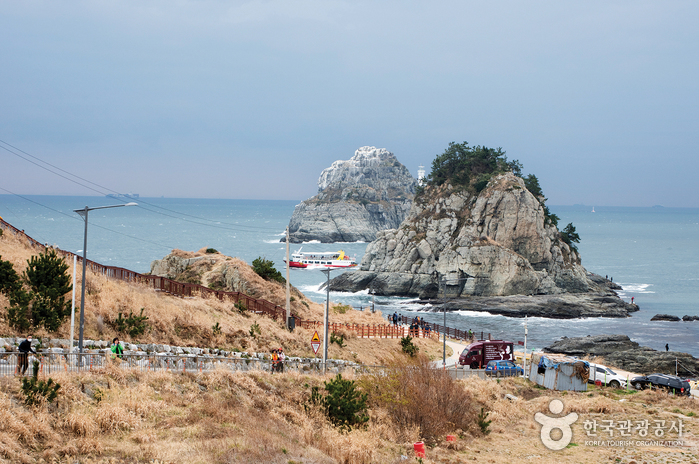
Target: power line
x: 93, y: 225
x: 235, y: 227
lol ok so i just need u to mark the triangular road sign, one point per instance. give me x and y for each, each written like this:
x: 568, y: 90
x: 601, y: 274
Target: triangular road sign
x: 315, y: 343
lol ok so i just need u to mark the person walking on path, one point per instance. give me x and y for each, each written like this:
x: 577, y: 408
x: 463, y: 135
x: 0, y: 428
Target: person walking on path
x: 23, y: 357
x: 395, y: 318
x: 117, y: 349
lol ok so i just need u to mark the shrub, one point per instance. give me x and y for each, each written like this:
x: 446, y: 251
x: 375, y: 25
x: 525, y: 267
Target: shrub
x: 216, y: 329
x: 265, y: 269
x: 255, y: 330
x: 341, y: 309
x: 132, y: 325
x: 414, y: 394
x: 242, y: 309
x: 408, y: 346
x: 211, y: 250
x: 37, y: 391
x: 344, y: 406
x: 484, y: 424
x: 339, y: 339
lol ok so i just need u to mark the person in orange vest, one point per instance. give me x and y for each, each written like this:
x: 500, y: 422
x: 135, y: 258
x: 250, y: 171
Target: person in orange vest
x: 275, y: 360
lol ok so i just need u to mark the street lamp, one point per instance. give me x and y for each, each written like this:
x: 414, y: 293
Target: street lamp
x: 83, y: 212
x: 444, y: 310
x: 325, y: 319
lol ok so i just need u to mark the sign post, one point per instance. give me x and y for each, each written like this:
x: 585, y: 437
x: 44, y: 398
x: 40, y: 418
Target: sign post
x: 315, y: 342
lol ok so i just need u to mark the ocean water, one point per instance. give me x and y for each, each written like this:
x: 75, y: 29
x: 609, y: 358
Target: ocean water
x: 653, y: 253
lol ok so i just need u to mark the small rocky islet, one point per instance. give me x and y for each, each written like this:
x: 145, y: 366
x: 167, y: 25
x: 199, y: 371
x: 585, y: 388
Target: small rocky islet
x: 488, y: 233
x: 356, y: 198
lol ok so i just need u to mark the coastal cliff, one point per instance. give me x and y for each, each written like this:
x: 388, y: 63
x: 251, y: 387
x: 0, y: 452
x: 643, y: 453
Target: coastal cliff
x: 356, y: 198
x: 488, y: 237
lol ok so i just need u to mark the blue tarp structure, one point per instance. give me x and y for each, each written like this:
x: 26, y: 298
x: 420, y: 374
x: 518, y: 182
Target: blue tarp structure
x: 558, y: 372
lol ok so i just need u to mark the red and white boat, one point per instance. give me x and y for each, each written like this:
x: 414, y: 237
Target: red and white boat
x: 321, y: 260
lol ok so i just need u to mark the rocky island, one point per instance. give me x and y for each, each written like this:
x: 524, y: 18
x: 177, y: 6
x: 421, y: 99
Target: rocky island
x: 370, y: 192
x: 484, y: 229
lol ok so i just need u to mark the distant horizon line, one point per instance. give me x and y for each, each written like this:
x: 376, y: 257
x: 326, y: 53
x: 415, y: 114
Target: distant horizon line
x: 298, y: 201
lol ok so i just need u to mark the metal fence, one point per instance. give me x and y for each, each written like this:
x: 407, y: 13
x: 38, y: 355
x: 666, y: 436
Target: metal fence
x: 51, y: 363
x: 256, y: 305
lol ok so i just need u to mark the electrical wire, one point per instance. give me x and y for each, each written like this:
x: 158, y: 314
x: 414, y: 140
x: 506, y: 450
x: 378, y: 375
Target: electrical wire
x: 104, y: 190
x: 93, y: 225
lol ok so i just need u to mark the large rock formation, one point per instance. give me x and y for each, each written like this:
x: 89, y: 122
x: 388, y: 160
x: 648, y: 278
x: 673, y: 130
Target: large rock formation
x: 619, y: 351
x: 496, y: 243
x: 370, y: 192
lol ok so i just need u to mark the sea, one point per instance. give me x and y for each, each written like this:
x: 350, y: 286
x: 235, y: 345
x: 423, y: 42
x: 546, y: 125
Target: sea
x: 652, y: 253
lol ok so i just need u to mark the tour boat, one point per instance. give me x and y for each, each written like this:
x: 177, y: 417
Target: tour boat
x: 321, y: 260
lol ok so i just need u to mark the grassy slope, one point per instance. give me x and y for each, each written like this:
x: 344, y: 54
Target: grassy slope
x: 113, y: 416
x: 189, y: 322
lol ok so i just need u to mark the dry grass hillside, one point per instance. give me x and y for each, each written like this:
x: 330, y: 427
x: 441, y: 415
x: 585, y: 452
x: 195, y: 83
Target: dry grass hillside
x: 190, y: 321
x: 114, y: 416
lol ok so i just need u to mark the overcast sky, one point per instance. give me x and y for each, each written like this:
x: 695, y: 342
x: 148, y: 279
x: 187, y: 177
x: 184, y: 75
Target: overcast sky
x: 224, y: 99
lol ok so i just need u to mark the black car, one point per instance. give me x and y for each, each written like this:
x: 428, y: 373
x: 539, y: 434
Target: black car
x: 667, y: 382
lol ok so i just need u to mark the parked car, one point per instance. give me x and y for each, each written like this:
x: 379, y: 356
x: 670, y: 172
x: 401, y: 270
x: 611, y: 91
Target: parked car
x: 667, y: 382
x: 607, y: 376
x: 503, y: 369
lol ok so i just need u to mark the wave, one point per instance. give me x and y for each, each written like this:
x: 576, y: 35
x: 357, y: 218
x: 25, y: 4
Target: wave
x: 272, y: 241
x: 636, y: 288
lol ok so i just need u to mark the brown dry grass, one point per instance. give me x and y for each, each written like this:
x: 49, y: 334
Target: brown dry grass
x: 189, y: 322
x: 224, y: 417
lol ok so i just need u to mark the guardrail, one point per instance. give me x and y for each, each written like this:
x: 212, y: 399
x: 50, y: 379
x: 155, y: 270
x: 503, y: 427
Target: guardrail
x: 164, y: 284
x: 51, y: 363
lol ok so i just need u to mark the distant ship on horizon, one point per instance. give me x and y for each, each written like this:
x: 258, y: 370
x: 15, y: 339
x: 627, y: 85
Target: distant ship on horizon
x: 123, y: 195
x: 593, y: 209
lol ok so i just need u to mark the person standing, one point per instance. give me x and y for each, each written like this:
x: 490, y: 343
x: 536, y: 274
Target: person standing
x: 282, y: 357
x: 23, y: 357
x: 117, y: 349
x: 667, y: 347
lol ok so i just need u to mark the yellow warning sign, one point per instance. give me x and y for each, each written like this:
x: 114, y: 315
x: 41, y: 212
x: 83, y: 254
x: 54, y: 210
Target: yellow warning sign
x: 315, y: 342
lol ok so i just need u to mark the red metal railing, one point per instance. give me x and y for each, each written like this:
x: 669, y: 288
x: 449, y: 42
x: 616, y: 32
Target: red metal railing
x: 257, y: 305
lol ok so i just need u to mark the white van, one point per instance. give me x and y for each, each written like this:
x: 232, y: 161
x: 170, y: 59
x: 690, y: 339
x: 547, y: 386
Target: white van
x: 607, y: 376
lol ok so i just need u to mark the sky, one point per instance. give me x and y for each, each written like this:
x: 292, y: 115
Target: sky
x: 252, y: 100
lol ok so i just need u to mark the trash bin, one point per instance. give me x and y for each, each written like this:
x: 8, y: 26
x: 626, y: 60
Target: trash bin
x: 419, y: 449
x: 292, y: 323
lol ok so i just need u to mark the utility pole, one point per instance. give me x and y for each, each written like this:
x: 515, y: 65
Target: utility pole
x: 524, y: 368
x: 325, y: 320
x: 288, y: 294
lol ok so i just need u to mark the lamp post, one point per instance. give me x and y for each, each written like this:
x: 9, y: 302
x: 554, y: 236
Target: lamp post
x: 444, y: 311
x: 83, y: 212
x: 325, y: 319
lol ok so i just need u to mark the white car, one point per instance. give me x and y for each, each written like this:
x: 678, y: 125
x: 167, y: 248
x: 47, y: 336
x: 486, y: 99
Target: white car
x: 607, y: 376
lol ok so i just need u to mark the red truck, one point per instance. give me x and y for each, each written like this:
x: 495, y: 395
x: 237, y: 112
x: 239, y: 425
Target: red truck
x: 477, y: 354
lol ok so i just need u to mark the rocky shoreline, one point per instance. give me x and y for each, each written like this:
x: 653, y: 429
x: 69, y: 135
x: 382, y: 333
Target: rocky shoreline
x: 563, y: 306
x: 619, y: 351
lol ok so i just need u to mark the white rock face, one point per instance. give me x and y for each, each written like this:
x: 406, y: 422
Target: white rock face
x: 497, y: 239
x: 371, y: 191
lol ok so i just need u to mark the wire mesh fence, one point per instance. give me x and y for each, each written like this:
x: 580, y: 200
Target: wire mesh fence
x: 50, y: 363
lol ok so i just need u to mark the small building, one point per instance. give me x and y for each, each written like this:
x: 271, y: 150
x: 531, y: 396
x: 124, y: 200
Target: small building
x: 559, y: 372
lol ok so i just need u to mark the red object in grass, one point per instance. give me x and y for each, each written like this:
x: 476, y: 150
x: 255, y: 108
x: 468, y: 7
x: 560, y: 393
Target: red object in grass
x: 451, y: 437
x: 419, y: 449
